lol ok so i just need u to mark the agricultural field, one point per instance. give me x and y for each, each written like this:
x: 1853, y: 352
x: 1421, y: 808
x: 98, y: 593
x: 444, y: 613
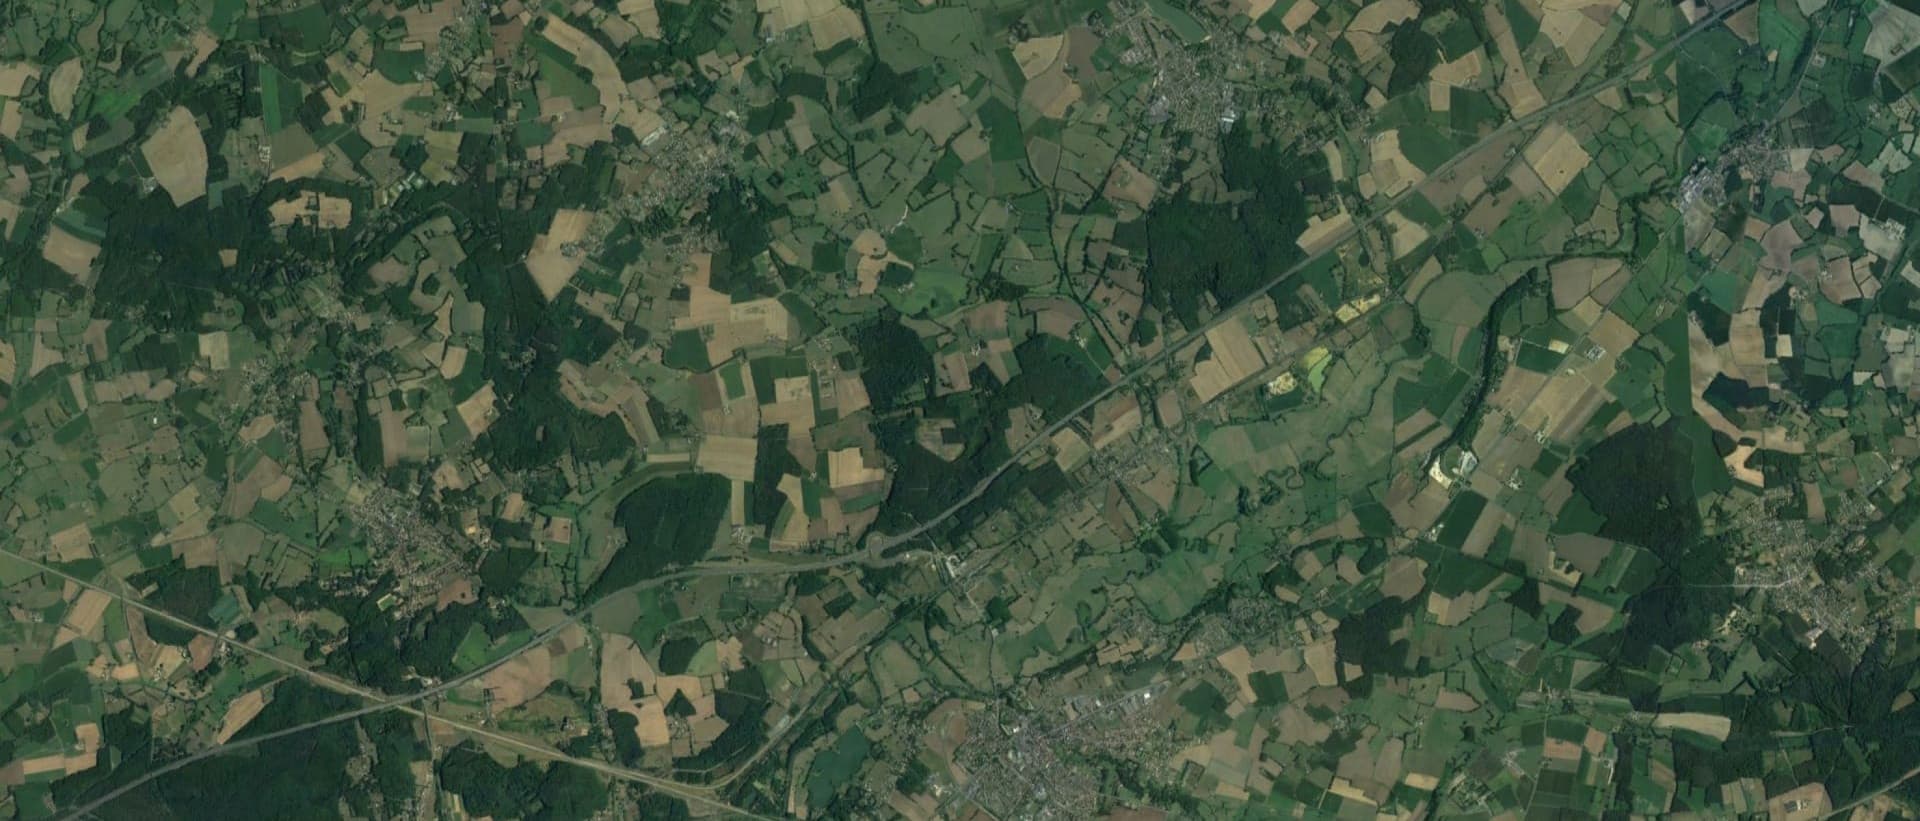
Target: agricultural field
x: 960, y: 409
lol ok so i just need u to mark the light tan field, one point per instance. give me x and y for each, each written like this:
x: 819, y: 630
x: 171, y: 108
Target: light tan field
x: 62, y: 85
x: 1235, y: 358
x: 829, y: 21
x: 795, y: 524
x: 1037, y: 54
x: 729, y: 456
x: 530, y: 674
x: 1320, y: 232
x: 83, y: 618
x: 755, y: 322
x: 1737, y: 465
x: 83, y: 756
x: 850, y: 394
x: 955, y: 372
x: 178, y: 157
x: 1299, y: 14
x: 313, y: 430
x: 792, y: 404
x: 847, y: 468
x: 552, y: 268
x: 731, y: 325
x: 600, y: 390
x: 940, y: 118
x: 1069, y: 449
x: 1745, y: 24
x: 1407, y: 234
x: 1464, y: 72
x: 1707, y: 360
x: 70, y: 254
x: 627, y: 684
x: 477, y: 412
x: 1128, y: 184
x: 518, y: 681
x: 1390, y: 169
x: 1115, y: 419
x: 616, y: 99
x: 14, y: 78
x: 263, y: 478
x: 837, y: 26
x: 240, y: 712
x: 1574, y: 279
x: 1366, y: 30
x: 217, y: 349
x: 1481, y: 535
x: 1052, y: 93
x: 1556, y: 156
x: 643, y: 15
x: 1574, y: 25
x: 1516, y: 85
x: 873, y: 258
x: 73, y: 544
x: 1049, y: 90
x: 393, y: 436
x: 313, y: 208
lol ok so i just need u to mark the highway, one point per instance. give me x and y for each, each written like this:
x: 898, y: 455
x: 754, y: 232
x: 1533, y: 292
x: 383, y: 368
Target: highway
x: 872, y: 554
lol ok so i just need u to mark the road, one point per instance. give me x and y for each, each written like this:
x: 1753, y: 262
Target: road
x: 698, y: 794
x: 1848, y: 807
x: 379, y: 702
x: 874, y: 553
x: 694, y: 793
x: 1337, y: 240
